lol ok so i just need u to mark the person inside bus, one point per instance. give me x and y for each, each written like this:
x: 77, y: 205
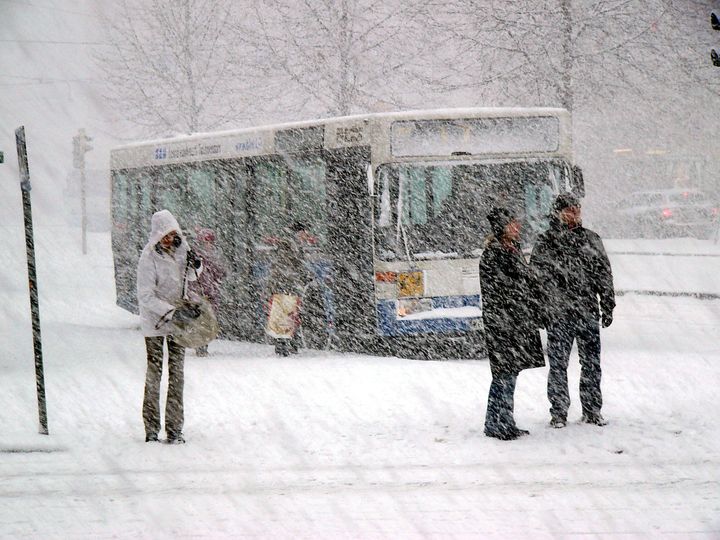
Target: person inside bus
x: 289, y: 276
x: 209, y: 282
x: 166, y: 262
x: 511, y: 318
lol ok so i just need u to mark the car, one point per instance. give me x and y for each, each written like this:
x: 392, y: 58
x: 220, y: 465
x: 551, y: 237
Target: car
x: 668, y: 212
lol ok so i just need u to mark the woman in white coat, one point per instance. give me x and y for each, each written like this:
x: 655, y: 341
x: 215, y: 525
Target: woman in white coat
x: 166, y: 263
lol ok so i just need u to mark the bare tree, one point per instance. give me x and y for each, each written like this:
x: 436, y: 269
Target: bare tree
x: 338, y: 57
x: 173, y: 65
x: 547, y: 51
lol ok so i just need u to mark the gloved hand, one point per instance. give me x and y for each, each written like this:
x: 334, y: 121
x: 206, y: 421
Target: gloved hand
x: 606, y: 319
x: 193, y: 259
x: 186, y: 313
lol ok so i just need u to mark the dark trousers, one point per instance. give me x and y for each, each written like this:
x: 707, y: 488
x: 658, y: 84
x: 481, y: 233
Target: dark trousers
x: 560, y: 337
x: 174, y: 412
x: 501, y: 403
x: 286, y: 347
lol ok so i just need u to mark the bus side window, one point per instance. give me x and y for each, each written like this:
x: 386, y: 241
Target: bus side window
x: 231, y: 202
x: 169, y: 194
x: 201, y: 198
x: 120, y: 209
x: 271, y: 205
x: 308, y: 195
x: 145, y: 211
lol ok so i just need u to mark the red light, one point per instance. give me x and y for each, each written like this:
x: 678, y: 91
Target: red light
x: 667, y: 212
x: 386, y: 277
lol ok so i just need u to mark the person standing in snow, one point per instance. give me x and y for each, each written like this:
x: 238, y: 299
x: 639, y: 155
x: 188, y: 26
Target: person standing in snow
x: 289, y: 276
x: 165, y: 264
x: 209, y: 281
x: 575, y: 272
x: 510, y: 312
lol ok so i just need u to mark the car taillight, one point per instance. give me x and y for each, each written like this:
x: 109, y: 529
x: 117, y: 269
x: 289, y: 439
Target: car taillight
x: 667, y: 212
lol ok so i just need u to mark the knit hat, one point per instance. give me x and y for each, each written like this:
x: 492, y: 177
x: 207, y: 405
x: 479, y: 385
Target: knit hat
x: 499, y: 218
x: 565, y: 200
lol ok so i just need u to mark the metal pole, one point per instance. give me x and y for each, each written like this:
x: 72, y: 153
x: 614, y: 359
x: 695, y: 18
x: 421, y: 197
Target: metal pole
x: 83, y: 208
x: 32, y: 277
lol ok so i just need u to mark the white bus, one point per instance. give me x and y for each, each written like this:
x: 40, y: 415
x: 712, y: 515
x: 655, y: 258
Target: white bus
x: 394, y: 204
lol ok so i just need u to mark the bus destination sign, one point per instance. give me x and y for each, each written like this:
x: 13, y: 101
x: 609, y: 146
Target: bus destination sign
x: 475, y: 136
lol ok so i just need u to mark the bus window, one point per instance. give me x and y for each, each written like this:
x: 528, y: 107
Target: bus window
x: 169, y: 194
x: 384, y: 208
x: 555, y: 177
x: 539, y: 195
x: 413, y: 194
x: 145, y: 210
x: 230, y: 200
x: 271, y: 201
x: 384, y: 215
x: 460, y: 197
x: 201, y: 198
x: 441, y: 180
x: 120, y: 206
x: 307, y: 193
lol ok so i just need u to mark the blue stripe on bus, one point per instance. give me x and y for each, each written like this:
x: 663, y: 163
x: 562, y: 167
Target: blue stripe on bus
x: 387, y: 320
x: 390, y: 325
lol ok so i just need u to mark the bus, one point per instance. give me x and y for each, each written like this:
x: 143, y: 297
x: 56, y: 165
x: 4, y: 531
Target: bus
x: 393, y: 205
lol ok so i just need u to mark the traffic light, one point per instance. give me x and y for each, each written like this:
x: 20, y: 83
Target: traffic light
x: 81, y: 145
x: 714, y: 55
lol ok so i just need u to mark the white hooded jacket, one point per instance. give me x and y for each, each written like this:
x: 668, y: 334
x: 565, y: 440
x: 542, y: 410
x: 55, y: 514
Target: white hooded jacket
x: 161, y: 275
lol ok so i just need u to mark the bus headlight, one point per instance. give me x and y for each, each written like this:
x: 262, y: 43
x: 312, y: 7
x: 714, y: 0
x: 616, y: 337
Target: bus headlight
x: 412, y: 306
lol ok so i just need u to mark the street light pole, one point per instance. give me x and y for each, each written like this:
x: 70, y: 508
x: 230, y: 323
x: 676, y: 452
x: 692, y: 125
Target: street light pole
x: 83, y: 208
x: 81, y: 145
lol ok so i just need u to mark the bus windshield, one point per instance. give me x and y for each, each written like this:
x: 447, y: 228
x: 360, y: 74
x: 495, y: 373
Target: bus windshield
x: 439, y: 210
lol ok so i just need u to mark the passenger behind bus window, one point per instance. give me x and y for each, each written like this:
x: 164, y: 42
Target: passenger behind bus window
x: 209, y: 282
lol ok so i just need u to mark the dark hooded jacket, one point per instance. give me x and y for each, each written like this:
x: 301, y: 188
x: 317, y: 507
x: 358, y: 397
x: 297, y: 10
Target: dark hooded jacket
x: 288, y: 275
x: 574, y: 271
x: 511, y: 308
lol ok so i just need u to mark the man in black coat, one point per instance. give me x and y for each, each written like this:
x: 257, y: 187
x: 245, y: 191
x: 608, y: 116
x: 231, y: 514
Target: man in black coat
x: 575, y: 272
x: 510, y: 309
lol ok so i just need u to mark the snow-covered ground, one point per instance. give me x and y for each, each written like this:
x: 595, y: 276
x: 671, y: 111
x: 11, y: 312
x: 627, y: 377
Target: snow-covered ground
x: 673, y: 265
x: 348, y: 446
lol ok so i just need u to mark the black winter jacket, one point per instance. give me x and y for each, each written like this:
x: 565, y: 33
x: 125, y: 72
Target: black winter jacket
x: 289, y: 274
x: 510, y: 310
x: 574, y: 271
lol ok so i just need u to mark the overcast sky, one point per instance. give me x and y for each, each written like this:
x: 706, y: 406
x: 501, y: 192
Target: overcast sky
x: 50, y: 84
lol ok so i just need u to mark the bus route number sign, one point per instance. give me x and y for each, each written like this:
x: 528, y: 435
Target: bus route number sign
x: 350, y: 135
